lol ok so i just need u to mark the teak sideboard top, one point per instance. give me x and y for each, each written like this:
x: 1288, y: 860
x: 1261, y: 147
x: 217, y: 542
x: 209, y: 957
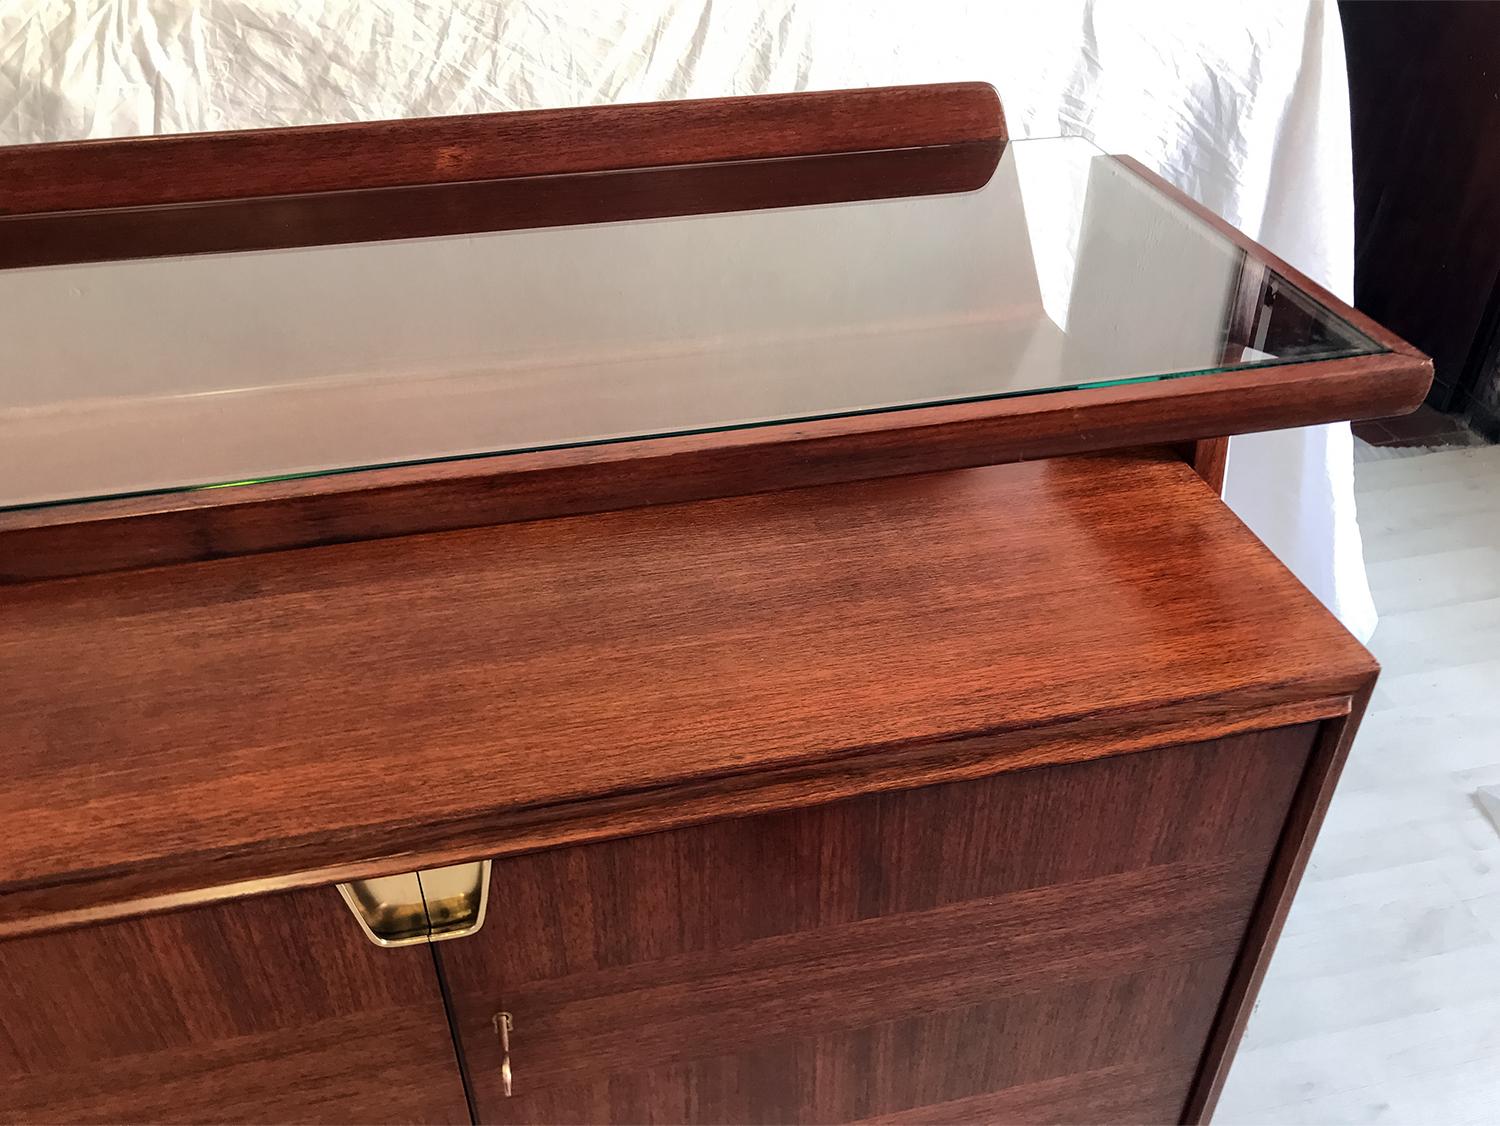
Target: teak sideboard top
x: 209, y: 730
x: 231, y: 343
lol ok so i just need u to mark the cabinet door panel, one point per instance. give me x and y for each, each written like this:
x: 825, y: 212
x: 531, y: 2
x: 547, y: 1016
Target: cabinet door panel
x: 273, y: 1009
x: 960, y: 951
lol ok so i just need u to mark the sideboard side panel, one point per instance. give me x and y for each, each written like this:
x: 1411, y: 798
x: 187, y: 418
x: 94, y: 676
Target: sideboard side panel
x: 1324, y: 766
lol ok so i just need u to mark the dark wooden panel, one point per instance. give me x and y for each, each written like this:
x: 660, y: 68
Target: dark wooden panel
x: 876, y: 955
x: 170, y: 732
x: 527, y: 202
x: 998, y: 1049
x: 1148, y: 1092
x: 266, y: 1010
x: 146, y: 171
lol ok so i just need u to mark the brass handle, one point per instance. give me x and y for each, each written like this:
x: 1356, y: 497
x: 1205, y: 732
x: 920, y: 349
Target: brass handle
x: 504, y: 1024
x: 427, y: 906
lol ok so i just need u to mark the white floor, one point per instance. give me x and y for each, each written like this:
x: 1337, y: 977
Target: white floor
x: 1383, y: 1001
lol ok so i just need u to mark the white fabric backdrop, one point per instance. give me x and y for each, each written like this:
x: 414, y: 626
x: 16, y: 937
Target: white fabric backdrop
x: 1242, y: 105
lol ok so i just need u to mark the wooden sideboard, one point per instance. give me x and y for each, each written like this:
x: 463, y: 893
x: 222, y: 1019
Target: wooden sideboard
x: 970, y: 794
x: 948, y: 763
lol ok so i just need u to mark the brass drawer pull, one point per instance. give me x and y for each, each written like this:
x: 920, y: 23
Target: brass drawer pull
x: 504, y: 1023
x: 426, y: 906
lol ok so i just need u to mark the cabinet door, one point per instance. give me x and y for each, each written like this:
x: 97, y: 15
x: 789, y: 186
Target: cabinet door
x: 1045, y: 945
x: 273, y: 1009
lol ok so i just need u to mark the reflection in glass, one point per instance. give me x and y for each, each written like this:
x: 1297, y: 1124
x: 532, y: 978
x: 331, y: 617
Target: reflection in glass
x: 1062, y: 270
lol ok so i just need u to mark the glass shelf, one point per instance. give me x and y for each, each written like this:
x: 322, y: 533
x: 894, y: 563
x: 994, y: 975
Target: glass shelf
x: 1064, y: 270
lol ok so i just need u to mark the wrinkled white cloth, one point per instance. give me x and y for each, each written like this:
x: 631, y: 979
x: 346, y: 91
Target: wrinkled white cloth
x: 1244, y: 106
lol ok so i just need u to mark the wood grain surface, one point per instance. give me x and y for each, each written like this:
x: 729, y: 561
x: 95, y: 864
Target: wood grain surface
x: 1210, y: 458
x: 876, y: 956
x: 1118, y: 1094
x: 316, y: 715
x: 267, y: 1010
x: 184, y: 168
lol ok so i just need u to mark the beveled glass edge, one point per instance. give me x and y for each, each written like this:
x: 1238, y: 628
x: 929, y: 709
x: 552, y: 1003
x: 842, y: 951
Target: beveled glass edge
x: 724, y: 428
